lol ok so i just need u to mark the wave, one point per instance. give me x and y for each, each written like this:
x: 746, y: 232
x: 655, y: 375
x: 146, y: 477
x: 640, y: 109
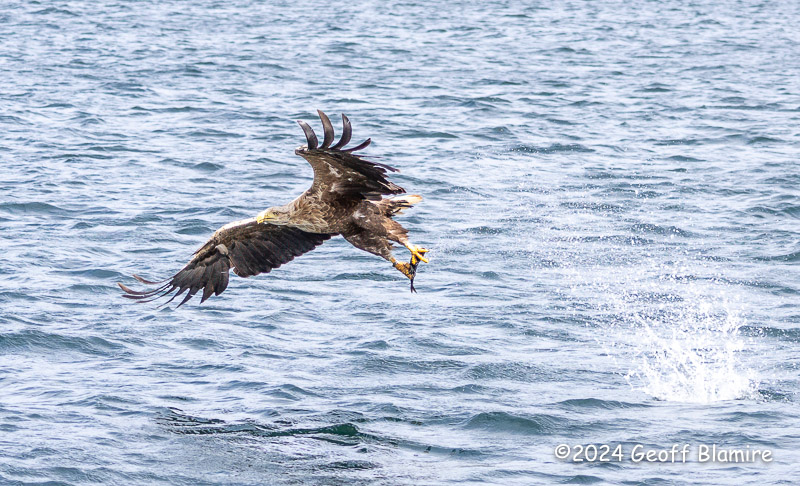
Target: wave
x: 538, y: 424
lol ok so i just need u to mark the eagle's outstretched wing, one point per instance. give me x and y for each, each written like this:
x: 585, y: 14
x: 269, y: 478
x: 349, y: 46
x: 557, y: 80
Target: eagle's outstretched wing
x: 338, y: 173
x: 246, y: 246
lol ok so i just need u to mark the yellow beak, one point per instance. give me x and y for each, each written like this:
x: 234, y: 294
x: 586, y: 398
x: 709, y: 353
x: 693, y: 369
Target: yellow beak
x: 263, y: 216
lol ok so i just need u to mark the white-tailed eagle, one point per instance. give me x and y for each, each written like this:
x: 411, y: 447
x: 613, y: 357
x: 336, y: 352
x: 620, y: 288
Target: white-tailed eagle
x: 346, y: 198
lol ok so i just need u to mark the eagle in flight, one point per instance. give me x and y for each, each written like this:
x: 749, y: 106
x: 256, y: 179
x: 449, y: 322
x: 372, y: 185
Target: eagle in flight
x: 346, y: 198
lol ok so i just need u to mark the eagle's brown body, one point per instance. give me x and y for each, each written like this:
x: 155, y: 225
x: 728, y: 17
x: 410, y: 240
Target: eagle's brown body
x: 346, y: 198
x: 365, y: 224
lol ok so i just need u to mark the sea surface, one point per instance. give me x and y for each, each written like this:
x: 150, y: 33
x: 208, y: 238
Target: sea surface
x: 612, y: 203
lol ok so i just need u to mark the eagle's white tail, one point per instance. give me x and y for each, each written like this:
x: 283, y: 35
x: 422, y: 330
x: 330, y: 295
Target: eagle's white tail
x: 396, y: 205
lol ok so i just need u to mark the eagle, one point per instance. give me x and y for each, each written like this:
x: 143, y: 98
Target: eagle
x: 346, y: 198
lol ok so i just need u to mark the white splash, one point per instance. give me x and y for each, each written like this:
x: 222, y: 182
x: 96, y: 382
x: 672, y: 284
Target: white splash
x: 692, y: 356
x: 663, y: 313
x: 677, y: 339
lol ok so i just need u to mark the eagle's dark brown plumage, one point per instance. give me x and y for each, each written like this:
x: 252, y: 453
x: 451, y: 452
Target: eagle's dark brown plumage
x: 346, y: 198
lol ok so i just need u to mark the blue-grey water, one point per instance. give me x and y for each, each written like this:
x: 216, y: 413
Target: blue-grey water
x: 611, y: 201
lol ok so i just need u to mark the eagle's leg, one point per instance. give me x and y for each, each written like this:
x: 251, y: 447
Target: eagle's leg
x: 407, y: 269
x: 379, y: 245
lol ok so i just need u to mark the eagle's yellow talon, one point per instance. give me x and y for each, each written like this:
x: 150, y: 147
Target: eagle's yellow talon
x: 417, y: 254
x: 416, y: 258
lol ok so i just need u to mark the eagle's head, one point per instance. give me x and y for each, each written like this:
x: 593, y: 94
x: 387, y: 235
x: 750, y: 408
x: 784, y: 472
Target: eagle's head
x: 278, y: 215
